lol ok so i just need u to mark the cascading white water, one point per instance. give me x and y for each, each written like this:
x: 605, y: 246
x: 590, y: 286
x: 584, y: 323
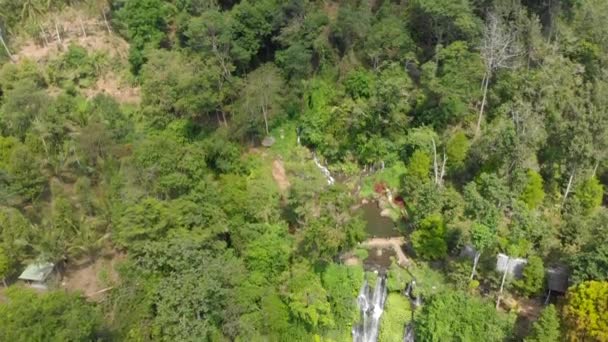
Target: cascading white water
x: 371, y: 304
x: 409, y: 333
x: 325, y: 170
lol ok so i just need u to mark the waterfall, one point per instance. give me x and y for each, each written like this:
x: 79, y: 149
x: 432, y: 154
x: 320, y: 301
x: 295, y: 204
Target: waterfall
x: 371, y: 304
x: 325, y: 170
x: 409, y: 333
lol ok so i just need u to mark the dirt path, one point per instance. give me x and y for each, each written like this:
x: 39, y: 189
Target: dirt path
x: 394, y: 243
x: 279, y: 175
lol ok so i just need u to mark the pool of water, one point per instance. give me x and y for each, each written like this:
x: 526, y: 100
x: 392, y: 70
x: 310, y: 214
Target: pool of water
x: 376, y: 224
x: 378, y: 259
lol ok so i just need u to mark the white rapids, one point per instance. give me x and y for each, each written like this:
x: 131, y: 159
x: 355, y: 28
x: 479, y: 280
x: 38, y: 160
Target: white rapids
x: 371, y: 304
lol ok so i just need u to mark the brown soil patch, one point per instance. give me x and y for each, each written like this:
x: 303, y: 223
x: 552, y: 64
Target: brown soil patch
x: 97, y: 39
x: 528, y: 312
x: 279, y: 175
x: 92, y: 278
x: 331, y: 9
x: 352, y: 261
x: 110, y: 84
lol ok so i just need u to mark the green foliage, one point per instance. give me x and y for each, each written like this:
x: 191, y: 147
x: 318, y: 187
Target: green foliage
x: 457, y: 149
x: 455, y: 316
x: 5, y: 264
x: 145, y: 24
x: 178, y: 87
x: 419, y: 166
x: 350, y: 27
x: 590, y: 193
x: 396, y: 315
x: 391, y: 176
x: 482, y: 236
x: 453, y: 81
x: 212, y: 248
x: 533, y: 193
x: 397, y: 278
x: 388, y: 40
x: 22, y: 104
x: 547, y: 327
x: 306, y: 297
x: 260, y: 101
x: 359, y: 84
x: 590, y: 264
x: 75, y: 68
x: 584, y: 313
x: 533, y: 277
x: 443, y: 21
x: 52, y: 316
x: 429, y: 238
x: 342, y: 284
x: 334, y: 230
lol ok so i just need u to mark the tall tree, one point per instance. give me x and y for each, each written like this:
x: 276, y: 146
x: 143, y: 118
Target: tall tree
x: 498, y: 50
x: 261, y: 97
x: 584, y: 314
x: 456, y: 316
x: 547, y: 327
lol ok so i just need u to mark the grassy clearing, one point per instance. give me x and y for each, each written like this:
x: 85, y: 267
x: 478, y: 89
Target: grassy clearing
x: 391, y: 176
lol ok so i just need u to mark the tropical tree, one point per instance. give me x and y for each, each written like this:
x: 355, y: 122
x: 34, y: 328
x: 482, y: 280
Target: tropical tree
x: 547, y: 326
x: 52, y: 316
x: 260, y: 98
x: 584, y: 313
x: 453, y: 316
x: 429, y: 238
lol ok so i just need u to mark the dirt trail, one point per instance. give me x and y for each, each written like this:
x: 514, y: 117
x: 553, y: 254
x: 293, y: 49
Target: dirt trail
x: 394, y: 243
x: 279, y: 175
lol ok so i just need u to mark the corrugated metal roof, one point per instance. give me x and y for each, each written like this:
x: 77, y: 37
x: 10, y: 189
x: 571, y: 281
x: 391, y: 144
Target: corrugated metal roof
x: 37, y: 271
x: 513, y: 266
x: 557, y: 279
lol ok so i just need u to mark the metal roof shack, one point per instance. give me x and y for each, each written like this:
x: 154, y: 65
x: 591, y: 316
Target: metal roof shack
x: 37, y: 274
x: 513, y: 266
x: 557, y: 279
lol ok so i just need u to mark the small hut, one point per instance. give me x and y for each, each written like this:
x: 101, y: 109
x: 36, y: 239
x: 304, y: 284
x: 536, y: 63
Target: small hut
x: 557, y: 281
x: 513, y: 266
x: 37, y: 274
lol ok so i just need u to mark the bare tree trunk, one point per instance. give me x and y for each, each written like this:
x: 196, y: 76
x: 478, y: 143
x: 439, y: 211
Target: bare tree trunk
x: 105, y: 20
x: 44, y: 36
x: 442, y: 173
x: 57, y: 31
x: 265, y: 120
x: 475, y: 262
x: 84, y: 32
x: 502, y: 283
x: 435, y: 167
x: 4, y: 282
x: 485, y: 83
x: 597, y: 164
x: 224, y: 118
x: 568, y: 188
x: 8, y: 52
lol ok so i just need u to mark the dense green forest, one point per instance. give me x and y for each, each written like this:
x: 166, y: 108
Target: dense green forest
x: 168, y: 157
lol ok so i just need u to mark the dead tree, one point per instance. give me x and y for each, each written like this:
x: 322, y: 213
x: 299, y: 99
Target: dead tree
x: 439, y: 173
x: 498, y: 50
x: 502, y: 283
x: 8, y: 52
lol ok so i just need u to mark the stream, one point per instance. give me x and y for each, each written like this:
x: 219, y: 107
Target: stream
x: 371, y: 299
